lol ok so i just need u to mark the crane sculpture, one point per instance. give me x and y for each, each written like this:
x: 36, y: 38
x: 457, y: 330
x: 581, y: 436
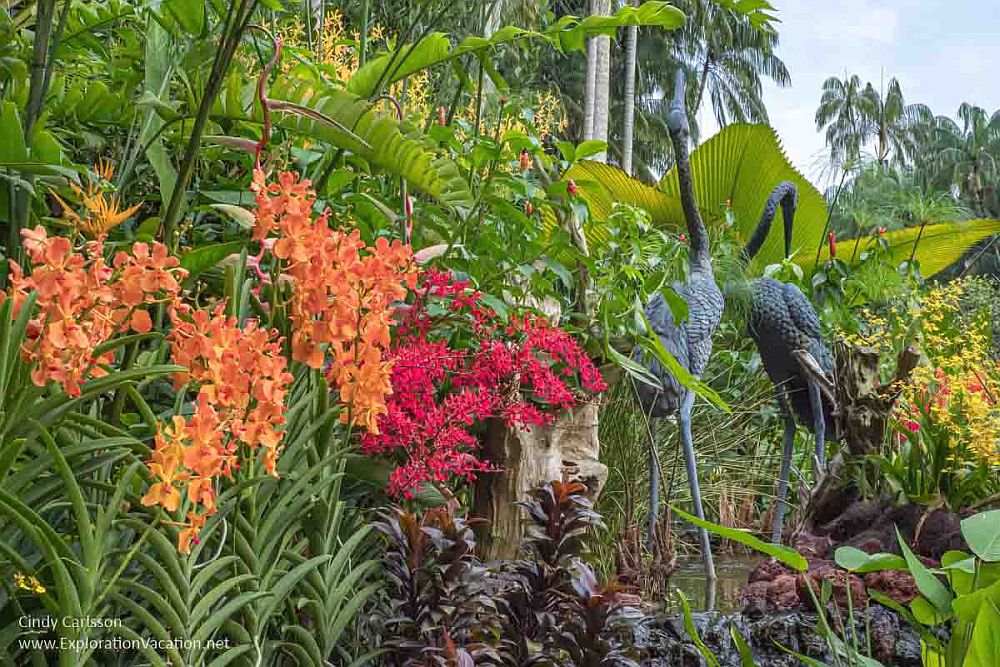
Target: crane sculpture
x: 689, y: 341
x: 786, y: 329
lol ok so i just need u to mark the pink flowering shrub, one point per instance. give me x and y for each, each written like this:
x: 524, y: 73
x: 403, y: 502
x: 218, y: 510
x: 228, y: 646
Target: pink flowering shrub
x: 456, y: 364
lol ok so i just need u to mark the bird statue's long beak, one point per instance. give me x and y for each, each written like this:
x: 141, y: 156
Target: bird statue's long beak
x: 677, y: 117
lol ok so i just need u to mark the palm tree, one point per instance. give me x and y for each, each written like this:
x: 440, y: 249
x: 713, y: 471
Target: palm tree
x: 855, y: 117
x: 968, y: 154
x: 728, y: 57
x: 891, y: 123
x: 598, y: 81
x: 841, y: 112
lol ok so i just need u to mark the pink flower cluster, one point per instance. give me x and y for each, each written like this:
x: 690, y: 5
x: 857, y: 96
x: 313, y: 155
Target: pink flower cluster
x: 457, y: 365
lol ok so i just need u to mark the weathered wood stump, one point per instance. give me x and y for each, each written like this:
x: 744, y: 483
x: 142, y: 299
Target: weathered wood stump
x: 864, y: 407
x: 527, y: 459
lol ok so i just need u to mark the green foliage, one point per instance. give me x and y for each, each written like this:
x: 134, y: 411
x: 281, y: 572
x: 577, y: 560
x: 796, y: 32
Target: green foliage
x: 741, y: 165
x: 568, y: 33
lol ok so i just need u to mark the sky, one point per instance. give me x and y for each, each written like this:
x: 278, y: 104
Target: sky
x: 943, y: 52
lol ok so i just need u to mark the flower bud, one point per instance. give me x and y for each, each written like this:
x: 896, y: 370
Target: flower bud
x: 571, y: 188
x: 442, y: 116
x: 831, y: 239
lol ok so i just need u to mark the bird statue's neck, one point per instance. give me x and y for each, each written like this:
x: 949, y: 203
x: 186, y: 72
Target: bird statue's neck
x: 677, y: 125
x: 786, y: 195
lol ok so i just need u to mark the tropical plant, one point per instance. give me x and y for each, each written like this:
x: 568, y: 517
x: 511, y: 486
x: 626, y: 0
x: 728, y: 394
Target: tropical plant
x: 728, y: 54
x: 548, y: 609
x: 967, y: 154
x: 855, y: 117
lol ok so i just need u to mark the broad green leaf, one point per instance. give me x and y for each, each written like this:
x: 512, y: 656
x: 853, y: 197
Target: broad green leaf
x: 190, y: 14
x: 781, y: 553
x: 590, y: 148
x: 856, y: 560
x: 376, y: 137
x: 746, y: 655
x: 982, y: 534
x: 967, y: 607
x: 984, y: 649
x: 928, y: 584
x: 237, y: 214
x: 203, y: 258
x: 12, y: 149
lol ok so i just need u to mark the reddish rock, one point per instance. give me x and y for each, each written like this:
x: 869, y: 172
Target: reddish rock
x: 812, y: 546
x: 824, y: 570
x: 783, y: 592
x: 896, y: 584
x: 767, y: 570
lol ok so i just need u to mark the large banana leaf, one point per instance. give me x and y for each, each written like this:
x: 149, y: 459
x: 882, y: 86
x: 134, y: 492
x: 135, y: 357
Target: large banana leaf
x: 741, y: 164
x: 382, y: 141
x: 940, y: 246
x: 568, y: 33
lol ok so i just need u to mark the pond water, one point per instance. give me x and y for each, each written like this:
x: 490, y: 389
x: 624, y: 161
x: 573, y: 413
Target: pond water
x: 731, y: 574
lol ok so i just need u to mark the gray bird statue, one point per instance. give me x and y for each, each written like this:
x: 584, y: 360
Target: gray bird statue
x: 786, y: 329
x: 690, y: 342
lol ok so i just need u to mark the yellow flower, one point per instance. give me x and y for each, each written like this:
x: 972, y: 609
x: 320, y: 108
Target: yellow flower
x: 29, y: 583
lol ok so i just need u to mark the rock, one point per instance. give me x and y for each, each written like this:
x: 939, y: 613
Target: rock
x: 812, y: 546
x: 665, y: 643
x: 840, y: 581
x: 896, y: 584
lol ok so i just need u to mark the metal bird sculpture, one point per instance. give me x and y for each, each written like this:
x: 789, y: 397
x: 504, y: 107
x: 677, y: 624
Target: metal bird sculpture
x: 786, y: 329
x: 690, y: 341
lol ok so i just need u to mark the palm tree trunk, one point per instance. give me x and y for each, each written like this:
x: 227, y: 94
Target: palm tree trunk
x: 702, y: 83
x: 591, y: 88
x: 602, y: 81
x: 629, y: 124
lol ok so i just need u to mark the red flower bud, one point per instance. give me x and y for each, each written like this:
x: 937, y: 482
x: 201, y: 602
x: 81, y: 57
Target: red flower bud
x: 832, y: 240
x: 525, y: 160
x: 881, y: 231
x: 683, y: 238
x: 729, y: 203
x: 528, y: 208
x: 571, y: 188
x: 442, y: 116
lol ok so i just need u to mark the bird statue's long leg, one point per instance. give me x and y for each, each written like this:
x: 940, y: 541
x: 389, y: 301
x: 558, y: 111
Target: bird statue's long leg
x: 687, y: 403
x: 787, y: 448
x: 819, y: 422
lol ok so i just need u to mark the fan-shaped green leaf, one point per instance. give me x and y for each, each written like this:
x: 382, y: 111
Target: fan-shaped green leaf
x: 940, y: 245
x: 742, y: 164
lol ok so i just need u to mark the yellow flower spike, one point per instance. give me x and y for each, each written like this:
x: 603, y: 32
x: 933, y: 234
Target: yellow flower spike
x: 29, y: 583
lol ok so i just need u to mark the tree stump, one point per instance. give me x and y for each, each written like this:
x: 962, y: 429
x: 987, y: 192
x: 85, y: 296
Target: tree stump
x: 864, y: 407
x: 526, y: 459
